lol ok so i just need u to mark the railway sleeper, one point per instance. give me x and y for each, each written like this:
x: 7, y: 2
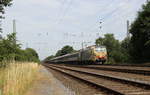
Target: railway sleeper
x: 136, y: 83
x: 97, y: 86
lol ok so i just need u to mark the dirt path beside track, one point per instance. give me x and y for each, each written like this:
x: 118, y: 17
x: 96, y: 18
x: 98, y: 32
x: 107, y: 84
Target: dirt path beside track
x: 47, y: 84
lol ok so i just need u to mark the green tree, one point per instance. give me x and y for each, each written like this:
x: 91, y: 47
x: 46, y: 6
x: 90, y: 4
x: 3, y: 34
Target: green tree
x: 49, y: 57
x: 3, y: 4
x: 113, y: 47
x: 58, y: 53
x: 31, y: 55
x: 140, y: 40
x: 99, y: 41
x: 109, y: 41
x: 9, y: 47
x: 125, y: 49
x: 65, y: 50
x: 11, y: 50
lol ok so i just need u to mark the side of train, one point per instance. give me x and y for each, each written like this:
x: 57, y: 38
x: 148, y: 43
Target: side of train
x: 92, y: 54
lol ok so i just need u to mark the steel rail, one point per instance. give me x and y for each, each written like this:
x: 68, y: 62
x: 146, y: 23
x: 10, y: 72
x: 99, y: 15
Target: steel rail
x: 134, y: 71
x: 137, y: 83
x: 97, y: 86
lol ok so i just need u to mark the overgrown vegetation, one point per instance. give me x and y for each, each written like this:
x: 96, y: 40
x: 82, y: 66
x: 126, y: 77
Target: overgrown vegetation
x: 65, y: 50
x: 140, y: 40
x: 117, y: 51
x: 17, y: 77
x: 135, y: 49
x: 3, y: 4
x: 48, y: 58
x: 11, y: 50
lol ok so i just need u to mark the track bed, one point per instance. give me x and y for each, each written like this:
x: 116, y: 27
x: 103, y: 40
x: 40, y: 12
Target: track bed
x: 107, y: 81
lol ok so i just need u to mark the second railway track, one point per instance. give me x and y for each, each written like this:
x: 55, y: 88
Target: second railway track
x: 126, y: 69
x: 116, y: 86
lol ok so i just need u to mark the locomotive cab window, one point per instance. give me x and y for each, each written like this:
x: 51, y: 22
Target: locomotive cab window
x: 100, y: 49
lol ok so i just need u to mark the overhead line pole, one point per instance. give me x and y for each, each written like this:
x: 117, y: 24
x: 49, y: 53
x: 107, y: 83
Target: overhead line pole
x: 100, y: 31
x: 14, y: 26
x: 14, y: 31
x: 128, y: 27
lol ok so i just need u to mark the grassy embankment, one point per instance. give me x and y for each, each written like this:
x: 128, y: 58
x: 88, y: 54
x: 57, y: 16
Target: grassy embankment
x: 17, y: 77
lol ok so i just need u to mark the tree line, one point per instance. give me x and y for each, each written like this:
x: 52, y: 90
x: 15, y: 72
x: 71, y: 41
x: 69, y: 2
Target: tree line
x: 9, y: 47
x: 65, y: 50
x: 133, y: 49
x: 118, y: 51
x: 11, y: 50
x: 140, y: 40
x: 3, y: 5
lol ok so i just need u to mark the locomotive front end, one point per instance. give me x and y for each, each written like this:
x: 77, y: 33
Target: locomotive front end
x: 100, y: 53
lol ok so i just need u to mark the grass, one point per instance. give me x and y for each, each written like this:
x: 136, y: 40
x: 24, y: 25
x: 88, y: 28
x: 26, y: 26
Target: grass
x: 17, y: 77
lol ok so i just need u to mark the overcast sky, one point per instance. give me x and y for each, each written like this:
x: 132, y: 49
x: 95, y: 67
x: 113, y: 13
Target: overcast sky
x: 48, y: 25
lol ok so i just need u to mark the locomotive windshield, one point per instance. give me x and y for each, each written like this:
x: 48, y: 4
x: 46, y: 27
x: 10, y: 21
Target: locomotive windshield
x: 100, y: 49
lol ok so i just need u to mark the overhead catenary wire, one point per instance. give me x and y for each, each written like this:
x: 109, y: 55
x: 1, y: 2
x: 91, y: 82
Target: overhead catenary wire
x: 60, y: 10
x: 65, y: 11
x: 107, y: 16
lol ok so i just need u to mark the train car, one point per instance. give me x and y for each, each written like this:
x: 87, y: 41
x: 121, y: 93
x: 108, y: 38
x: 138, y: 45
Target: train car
x: 91, y: 54
x: 73, y: 57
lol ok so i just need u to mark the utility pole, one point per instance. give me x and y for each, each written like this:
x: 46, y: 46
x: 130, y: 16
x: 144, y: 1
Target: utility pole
x: 0, y: 26
x: 14, y: 31
x: 82, y: 45
x: 128, y: 27
x: 82, y: 35
x: 0, y: 30
x: 100, y: 31
x: 147, y: 1
x: 14, y: 26
x: 100, y: 27
x: 26, y: 45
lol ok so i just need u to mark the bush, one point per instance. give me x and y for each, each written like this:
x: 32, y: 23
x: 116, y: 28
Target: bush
x: 117, y: 51
x: 11, y: 50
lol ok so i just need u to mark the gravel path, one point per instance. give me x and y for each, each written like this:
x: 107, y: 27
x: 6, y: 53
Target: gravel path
x: 47, y: 84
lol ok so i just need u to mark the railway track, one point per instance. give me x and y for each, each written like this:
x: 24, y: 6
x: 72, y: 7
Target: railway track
x: 109, y: 84
x: 126, y: 69
x: 129, y: 65
x: 128, y: 75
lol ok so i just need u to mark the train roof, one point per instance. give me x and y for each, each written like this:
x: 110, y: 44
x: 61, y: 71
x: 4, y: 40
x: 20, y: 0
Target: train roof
x: 64, y: 55
x: 75, y: 52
